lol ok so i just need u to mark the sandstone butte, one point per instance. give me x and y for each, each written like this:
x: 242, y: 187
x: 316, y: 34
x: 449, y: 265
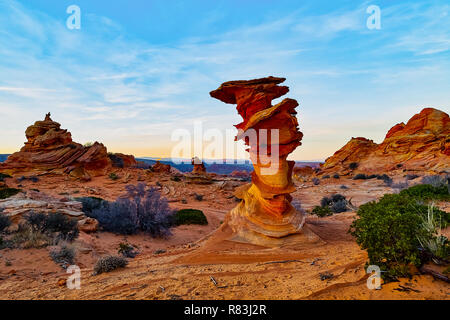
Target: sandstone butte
x: 422, y: 144
x: 50, y: 148
x: 199, y: 167
x: 265, y: 212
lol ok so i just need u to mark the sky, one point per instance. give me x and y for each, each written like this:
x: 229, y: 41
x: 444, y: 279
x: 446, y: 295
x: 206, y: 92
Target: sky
x: 137, y: 70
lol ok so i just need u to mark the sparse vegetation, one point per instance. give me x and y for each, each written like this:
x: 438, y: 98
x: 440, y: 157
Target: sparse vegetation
x: 90, y: 203
x: 176, y: 179
x: 141, y: 209
x: 360, y: 176
x: 427, y: 192
x: 63, y: 255
x: 315, y: 181
x: 322, y: 211
x: 198, y: 197
x: 27, y: 238
x: 326, y: 176
x: 8, y: 192
x: 190, y: 216
x: 3, y: 176
x: 411, y: 176
x: 109, y: 263
x: 437, y: 247
x: 387, y: 180
x: 88, y: 144
x: 353, y: 165
x: 337, y: 203
x: 436, y: 181
x: 336, y: 176
x: 389, y: 230
x: 127, y: 250
x: 54, y: 225
x: 5, y: 222
x: 113, y: 176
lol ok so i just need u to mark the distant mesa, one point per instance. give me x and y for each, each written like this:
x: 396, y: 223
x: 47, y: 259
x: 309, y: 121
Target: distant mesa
x: 422, y: 144
x: 48, y: 147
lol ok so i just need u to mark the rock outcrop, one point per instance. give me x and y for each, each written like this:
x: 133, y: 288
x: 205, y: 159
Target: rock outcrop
x: 199, y: 167
x: 49, y: 147
x: 15, y: 207
x: 422, y: 144
x: 161, y: 167
x: 271, y: 133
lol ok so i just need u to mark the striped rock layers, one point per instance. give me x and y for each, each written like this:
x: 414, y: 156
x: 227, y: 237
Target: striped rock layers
x: 265, y: 209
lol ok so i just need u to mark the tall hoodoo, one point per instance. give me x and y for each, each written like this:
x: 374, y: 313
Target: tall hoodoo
x: 265, y: 209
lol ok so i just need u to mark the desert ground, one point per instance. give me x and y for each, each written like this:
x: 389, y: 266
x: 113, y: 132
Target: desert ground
x: 197, y: 262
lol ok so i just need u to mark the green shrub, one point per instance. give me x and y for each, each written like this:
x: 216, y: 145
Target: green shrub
x: 336, y: 203
x: 190, y: 216
x: 127, y: 250
x: 109, y: 263
x: 322, y: 211
x: 8, y: 192
x: 427, y: 192
x: 360, y: 176
x: 326, y: 176
x: 336, y: 176
x: 437, y: 247
x: 113, y: 176
x: 389, y: 230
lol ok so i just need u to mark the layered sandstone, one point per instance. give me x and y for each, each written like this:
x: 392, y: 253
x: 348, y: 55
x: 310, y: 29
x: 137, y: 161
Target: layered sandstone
x: 48, y: 147
x: 199, y: 166
x: 422, y: 144
x: 271, y: 133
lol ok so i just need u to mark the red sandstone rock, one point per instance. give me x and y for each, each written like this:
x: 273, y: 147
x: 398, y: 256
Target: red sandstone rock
x: 199, y: 167
x: 265, y: 209
x: 49, y: 147
x: 423, y: 144
x: 161, y: 167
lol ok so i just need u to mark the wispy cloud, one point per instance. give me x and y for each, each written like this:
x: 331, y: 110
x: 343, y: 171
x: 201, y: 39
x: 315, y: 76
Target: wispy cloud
x: 103, y: 82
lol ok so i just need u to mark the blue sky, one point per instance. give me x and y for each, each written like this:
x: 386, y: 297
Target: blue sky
x: 137, y: 70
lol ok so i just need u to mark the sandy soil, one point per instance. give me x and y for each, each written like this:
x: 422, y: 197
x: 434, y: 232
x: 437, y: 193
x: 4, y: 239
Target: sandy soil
x: 200, y: 263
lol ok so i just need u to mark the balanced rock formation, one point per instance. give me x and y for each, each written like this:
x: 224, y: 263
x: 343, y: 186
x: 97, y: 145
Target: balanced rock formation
x: 265, y: 211
x: 199, y: 167
x: 49, y: 147
x: 422, y: 144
